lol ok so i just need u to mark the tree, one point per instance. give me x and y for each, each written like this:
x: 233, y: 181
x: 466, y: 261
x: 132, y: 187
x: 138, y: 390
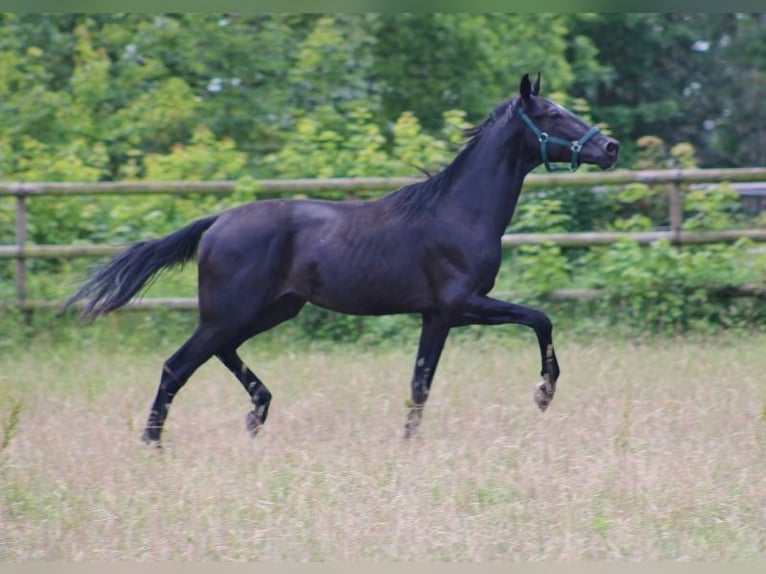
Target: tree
x: 427, y: 63
x: 683, y: 77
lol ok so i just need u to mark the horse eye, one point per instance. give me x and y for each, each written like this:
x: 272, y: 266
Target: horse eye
x: 555, y: 114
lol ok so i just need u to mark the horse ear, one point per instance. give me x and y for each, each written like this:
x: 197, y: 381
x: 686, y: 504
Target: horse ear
x: 536, y: 87
x: 525, y: 88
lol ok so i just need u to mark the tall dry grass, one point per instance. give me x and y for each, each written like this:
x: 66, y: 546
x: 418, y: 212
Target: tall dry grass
x: 649, y: 451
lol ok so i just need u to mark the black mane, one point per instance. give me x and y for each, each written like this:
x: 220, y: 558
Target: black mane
x: 422, y: 194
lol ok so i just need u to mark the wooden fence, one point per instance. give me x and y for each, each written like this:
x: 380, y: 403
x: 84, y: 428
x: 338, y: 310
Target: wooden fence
x: 21, y: 251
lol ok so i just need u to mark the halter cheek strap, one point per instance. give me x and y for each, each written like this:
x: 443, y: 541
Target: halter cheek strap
x: 545, y: 139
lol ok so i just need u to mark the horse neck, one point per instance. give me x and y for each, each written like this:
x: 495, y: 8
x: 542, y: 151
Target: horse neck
x: 488, y: 183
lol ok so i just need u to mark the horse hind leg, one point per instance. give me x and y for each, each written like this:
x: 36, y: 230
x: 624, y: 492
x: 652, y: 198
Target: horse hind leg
x: 206, y: 341
x: 259, y: 394
x: 175, y: 372
x: 278, y: 312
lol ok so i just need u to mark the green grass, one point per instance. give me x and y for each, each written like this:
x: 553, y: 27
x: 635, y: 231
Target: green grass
x: 651, y: 450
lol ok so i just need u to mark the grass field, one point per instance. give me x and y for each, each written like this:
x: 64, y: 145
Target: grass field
x: 650, y: 451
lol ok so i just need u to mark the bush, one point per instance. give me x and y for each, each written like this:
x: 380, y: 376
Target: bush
x: 666, y: 288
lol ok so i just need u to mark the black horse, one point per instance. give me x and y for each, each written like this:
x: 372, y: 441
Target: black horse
x: 431, y: 248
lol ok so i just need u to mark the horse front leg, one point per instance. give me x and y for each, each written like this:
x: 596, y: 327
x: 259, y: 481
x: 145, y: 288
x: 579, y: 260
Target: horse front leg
x: 433, y: 335
x: 481, y: 310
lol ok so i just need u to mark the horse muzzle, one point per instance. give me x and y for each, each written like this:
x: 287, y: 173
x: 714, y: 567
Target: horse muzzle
x: 609, y: 152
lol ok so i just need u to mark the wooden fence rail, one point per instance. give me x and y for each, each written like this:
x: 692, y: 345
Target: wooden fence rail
x: 23, y: 192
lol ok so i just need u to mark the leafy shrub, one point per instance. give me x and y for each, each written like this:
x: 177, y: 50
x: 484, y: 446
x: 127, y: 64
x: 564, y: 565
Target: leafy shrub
x: 663, y: 287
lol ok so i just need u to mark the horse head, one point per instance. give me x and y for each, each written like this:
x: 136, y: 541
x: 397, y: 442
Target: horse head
x: 557, y: 135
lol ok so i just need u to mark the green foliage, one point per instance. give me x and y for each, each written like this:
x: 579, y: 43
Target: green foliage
x: 333, y: 65
x: 324, y: 147
x: 329, y: 145
x: 542, y: 216
x: 147, y: 81
x: 666, y: 288
x: 205, y: 158
x: 542, y: 268
x: 426, y: 63
x: 713, y: 208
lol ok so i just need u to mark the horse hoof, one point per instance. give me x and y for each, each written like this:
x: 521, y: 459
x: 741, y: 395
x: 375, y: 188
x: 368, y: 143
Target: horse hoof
x: 544, y: 394
x: 253, y: 423
x: 147, y: 439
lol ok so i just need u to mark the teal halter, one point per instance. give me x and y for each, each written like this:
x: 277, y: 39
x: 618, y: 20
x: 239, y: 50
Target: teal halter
x: 544, y: 139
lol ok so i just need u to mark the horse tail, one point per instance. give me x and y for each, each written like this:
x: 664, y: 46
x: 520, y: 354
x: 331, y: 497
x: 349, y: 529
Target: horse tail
x: 117, y: 281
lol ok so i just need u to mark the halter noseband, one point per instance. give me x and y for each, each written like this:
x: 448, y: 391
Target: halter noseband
x: 545, y: 139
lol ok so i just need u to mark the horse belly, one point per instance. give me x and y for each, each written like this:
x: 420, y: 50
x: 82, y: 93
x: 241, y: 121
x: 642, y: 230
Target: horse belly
x: 366, y: 285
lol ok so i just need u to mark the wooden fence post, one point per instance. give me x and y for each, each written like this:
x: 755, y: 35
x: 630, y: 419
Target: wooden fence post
x: 21, y: 242
x: 676, y: 207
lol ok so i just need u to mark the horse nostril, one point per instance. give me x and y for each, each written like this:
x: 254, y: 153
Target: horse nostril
x: 612, y: 148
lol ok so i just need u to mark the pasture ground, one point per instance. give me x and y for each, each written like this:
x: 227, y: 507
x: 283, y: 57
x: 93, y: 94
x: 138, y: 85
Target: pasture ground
x: 652, y: 450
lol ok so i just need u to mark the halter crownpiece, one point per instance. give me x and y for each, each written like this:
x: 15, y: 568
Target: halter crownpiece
x: 544, y: 139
